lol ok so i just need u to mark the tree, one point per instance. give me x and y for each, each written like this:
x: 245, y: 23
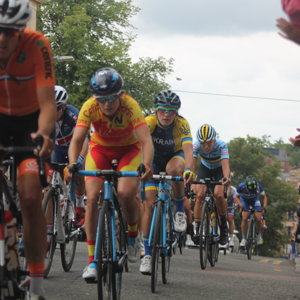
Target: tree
x: 247, y: 156
x: 97, y: 33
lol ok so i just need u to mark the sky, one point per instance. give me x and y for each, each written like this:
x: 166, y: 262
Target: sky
x: 226, y: 47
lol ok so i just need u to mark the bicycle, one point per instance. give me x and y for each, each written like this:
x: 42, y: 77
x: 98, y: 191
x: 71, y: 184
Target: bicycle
x: 162, y: 237
x: 209, y: 231
x: 61, y: 228
x: 251, y: 244
x: 13, y: 282
x: 111, y: 237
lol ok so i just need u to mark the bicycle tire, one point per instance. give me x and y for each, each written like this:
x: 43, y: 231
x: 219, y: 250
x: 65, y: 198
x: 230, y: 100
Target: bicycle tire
x: 249, y: 241
x: 121, y: 245
x: 106, y: 283
x: 49, y: 198
x: 68, y: 248
x: 168, y: 252
x: 14, y: 275
x: 156, y: 246
x: 204, y: 235
x: 213, y: 241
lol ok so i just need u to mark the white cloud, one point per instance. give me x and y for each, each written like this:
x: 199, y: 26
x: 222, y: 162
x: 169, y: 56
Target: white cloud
x: 260, y: 64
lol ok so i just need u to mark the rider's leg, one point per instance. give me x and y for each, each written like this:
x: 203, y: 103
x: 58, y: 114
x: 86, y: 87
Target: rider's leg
x: 200, y: 193
x: 222, y: 210
x: 34, y: 229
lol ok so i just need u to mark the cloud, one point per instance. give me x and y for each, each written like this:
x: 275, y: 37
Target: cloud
x: 203, y: 17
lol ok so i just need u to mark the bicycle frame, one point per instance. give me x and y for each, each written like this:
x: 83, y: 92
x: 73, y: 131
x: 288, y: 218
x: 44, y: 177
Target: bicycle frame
x: 164, y: 196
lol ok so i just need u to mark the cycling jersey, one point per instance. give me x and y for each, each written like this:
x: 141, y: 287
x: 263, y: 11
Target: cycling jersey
x: 168, y: 141
x: 64, y: 129
x: 213, y: 159
x: 29, y: 68
x: 230, y: 200
x: 250, y: 199
x: 115, y: 131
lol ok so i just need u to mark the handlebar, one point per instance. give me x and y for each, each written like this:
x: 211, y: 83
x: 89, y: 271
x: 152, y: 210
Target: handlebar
x: 38, y: 141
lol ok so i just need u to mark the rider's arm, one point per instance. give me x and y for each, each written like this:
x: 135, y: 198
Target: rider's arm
x: 76, y: 145
x: 188, y: 155
x: 265, y: 201
x: 226, y: 168
x: 47, y: 117
x: 144, y: 137
x: 194, y: 164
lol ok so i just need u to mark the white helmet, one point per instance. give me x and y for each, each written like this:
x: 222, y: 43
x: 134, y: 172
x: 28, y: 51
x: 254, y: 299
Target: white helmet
x: 14, y: 13
x: 61, y: 95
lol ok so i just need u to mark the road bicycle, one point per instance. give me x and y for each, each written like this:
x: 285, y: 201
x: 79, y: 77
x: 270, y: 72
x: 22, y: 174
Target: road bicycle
x: 251, y: 243
x: 209, y: 231
x: 111, y: 238
x: 162, y: 236
x: 13, y: 282
x: 61, y: 226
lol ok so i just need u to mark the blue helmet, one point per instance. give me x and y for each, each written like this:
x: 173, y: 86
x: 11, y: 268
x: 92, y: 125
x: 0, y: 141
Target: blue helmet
x: 106, y: 81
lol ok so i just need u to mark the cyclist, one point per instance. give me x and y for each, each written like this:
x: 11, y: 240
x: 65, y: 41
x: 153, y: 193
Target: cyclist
x: 65, y: 124
x: 232, y: 202
x: 173, y: 154
x: 27, y: 109
x: 214, y: 164
x: 120, y: 131
x: 248, y: 193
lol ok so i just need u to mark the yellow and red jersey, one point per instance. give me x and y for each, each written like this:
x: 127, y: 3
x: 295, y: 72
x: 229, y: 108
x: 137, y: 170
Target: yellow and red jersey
x: 116, y: 131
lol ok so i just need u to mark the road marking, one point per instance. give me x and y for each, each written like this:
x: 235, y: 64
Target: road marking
x: 277, y: 262
x: 264, y: 260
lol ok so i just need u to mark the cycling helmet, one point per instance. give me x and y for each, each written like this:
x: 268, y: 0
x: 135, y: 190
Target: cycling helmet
x: 14, y: 13
x: 106, y: 81
x: 206, y: 133
x: 61, y: 95
x: 251, y: 184
x: 298, y: 212
x: 167, y: 98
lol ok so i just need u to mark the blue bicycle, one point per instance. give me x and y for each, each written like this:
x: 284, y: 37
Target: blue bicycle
x: 162, y: 237
x: 111, y: 239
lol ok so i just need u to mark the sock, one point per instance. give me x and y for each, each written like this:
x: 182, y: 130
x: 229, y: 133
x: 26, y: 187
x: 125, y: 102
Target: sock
x: 36, y: 274
x: 244, y: 236
x: 132, y: 233
x: 91, y: 250
x: 179, y: 204
x: 223, y: 220
x: 146, y: 245
x: 197, y: 225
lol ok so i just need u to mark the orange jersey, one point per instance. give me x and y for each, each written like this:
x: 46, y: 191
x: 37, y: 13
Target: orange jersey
x: 116, y: 131
x: 29, y: 67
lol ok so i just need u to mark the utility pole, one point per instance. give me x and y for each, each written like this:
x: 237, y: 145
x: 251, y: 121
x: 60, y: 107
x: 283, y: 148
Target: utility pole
x: 32, y: 22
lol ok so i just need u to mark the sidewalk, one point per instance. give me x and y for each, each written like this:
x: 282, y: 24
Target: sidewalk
x: 297, y: 264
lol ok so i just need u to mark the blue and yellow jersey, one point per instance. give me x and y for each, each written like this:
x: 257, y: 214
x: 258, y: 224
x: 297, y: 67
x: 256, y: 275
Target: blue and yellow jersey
x: 168, y: 141
x: 213, y: 159
x: 116, y: 131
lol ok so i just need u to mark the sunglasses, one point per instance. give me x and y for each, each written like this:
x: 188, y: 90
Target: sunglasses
x: 109, y: 98
x: 170, y: 112
x: 10, y: 32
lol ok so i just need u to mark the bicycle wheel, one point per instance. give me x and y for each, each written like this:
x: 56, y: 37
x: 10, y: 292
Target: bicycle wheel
x: 68, y: 248
x: 106, y: 283
x: 156, y: 246
x: 204, y: 235
x: 121, y: 249
x: 250, y: 239
x: 11, y: 273
x: 49, y: 208
x: 167, y: 252
x: 213, y: 241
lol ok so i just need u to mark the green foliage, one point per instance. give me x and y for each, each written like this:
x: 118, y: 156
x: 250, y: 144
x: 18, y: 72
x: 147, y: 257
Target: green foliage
x: 247, y: 156
x: 98, y: 34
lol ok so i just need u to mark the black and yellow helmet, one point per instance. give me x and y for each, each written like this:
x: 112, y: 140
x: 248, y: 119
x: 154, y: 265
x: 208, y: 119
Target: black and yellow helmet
x: 206, y: 133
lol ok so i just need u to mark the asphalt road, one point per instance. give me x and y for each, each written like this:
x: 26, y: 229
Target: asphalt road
x: 233, y: 278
